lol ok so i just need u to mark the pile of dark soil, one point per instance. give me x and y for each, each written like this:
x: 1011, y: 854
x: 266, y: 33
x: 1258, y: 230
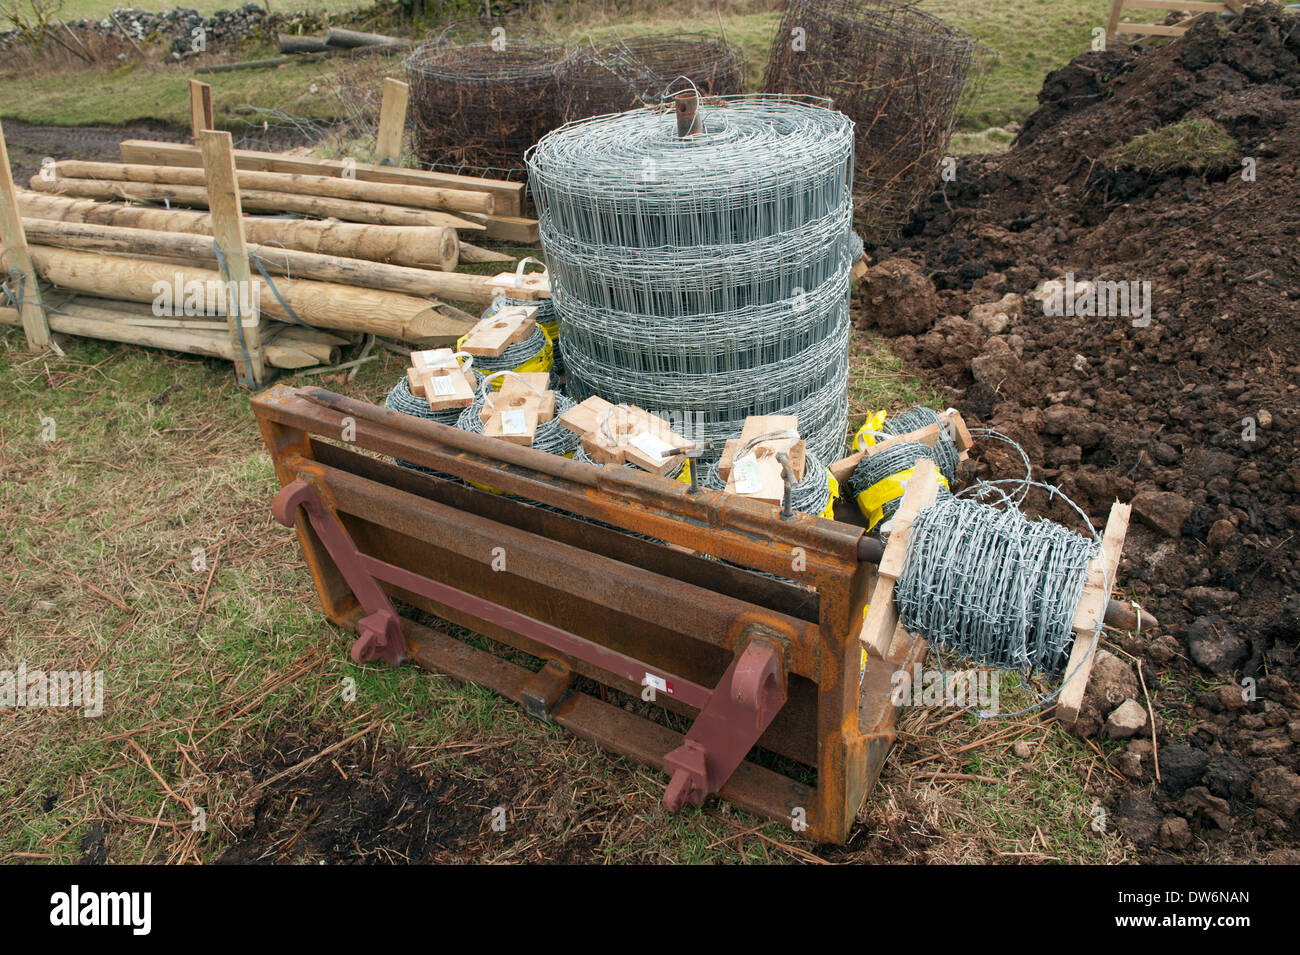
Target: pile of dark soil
x: 1193, y: 417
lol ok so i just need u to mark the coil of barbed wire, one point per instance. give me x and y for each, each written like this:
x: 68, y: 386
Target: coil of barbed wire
x: 534, y: 346
x: 945, y: 455
x: 822, y: 414
x: 581, y: 455
x: 551, y: 436
x: 993, y: 585
x: 546, y: 318
x: 401, y: 399
x: 888, y: 461
x: 812, y: 495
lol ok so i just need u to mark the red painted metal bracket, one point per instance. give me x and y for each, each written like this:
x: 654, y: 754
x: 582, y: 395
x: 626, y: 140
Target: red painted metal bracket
x: 380, y: 630
x: 738, y: 712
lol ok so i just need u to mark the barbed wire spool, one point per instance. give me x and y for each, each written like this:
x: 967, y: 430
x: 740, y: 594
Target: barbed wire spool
x: 483, y: 92
x: 551, y: 436
x: 626, y: 73
x: 534, y: 353
x: 993, y: 585
x: 547, y: 321
x: 401, y: 399
x: 676, y: 474
x: 898, y: 73
x: 945, y: 454
x: 814, y: 494
x: 878, y: 482
x: 704, y: 278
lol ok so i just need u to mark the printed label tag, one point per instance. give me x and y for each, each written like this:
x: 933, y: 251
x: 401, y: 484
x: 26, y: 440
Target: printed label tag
x: 514, y: 421
x: 745, y: 475
x: 442, y: 385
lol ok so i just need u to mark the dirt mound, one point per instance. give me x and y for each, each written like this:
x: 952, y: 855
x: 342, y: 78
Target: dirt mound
x: 1189, y: 408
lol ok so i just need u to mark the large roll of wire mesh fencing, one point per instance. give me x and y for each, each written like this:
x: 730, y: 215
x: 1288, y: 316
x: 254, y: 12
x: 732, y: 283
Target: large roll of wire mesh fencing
x: 622, y: 74
x: 482, y: 92
x: 705, y: 277
x: 898, y: 73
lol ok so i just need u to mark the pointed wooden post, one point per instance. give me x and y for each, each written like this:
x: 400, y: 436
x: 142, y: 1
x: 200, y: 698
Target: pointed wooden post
x: 14, y: 257
x: 228, y: 232
x: 392, y: 122
x: 200, y: 108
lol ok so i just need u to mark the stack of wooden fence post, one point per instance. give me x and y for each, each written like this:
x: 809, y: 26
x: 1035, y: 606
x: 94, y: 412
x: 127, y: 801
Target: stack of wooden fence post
x: 173, y: 223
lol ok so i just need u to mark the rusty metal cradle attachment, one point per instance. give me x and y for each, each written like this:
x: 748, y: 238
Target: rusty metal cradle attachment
x: 761, y: 665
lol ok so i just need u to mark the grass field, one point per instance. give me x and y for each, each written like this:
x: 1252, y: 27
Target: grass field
x: 1030, y: 36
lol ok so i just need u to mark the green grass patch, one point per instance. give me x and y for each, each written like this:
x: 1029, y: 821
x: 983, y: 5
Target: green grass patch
x: 1190, y: 145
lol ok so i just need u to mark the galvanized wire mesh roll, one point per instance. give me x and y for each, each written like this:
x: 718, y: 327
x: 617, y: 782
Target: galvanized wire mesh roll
x: 705, y: 278
x: 626, y: 73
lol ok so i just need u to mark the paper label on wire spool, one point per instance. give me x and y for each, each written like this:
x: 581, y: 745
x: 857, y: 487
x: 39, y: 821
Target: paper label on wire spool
x: 442, y: 385
x: 514, y: 421
x: 746, y: 476
x: 648, y: 444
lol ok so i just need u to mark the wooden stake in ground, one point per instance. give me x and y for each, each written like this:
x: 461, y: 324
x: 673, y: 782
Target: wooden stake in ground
x: 200, y: 107
x: 228, y: 232
x: 392, y: 122
x: 15, y: 258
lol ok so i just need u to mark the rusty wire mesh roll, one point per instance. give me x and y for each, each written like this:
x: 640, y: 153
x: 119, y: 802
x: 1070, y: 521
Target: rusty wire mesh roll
x: 898, y: 73
x: 482, y: 92
x: 625, y: 73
